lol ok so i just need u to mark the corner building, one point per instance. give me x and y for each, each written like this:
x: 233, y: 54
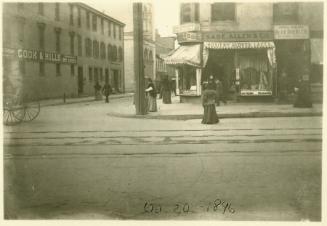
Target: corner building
x: 246, y: 46
x: 56, y: 49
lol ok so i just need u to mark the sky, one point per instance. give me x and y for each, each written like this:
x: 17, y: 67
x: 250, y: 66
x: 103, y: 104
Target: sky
x: 166, y: 13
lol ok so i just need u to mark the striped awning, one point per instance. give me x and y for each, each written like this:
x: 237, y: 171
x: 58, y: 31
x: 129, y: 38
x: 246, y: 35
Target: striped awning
x: 239, y: 45
x: 189, y: 54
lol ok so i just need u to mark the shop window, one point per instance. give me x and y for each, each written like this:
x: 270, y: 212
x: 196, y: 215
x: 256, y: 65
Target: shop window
x: 41, y: 28
x: 72, y: 70
x: 285, y: 12
x: 189, y: 12
x: 222, y: 11
x: 41, y: 8
x: 58, y: 70
x: 188, y: 80
x: 41, y: 69
x: 57, y: 11
x: 94, y: 22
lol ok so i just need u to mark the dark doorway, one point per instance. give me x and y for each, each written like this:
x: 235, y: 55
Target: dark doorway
x: 80, y: 80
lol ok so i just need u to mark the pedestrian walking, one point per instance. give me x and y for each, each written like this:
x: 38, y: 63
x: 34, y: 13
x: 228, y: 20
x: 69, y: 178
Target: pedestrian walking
x: 303, y: 98
x: 106, y: 91
x: 166, y: 91
x: 208, y: 102
x: 151, y: 96
x: 97, y: 89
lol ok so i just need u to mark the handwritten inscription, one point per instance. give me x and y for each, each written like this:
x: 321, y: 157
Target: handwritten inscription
x: 218, y: 205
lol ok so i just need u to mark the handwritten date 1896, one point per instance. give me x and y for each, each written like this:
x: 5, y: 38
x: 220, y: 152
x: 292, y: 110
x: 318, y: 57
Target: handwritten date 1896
x: 217, y: 205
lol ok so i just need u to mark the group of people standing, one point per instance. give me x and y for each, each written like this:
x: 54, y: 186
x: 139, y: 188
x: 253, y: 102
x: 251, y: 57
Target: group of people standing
x: 106, y: 90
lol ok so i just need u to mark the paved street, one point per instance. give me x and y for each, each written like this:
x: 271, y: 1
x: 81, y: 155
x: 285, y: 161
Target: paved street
x: 77, y: 162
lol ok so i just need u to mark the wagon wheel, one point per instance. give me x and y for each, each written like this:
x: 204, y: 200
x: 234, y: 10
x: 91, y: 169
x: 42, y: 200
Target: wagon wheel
x: 32, y: 110
x: 13, y: 111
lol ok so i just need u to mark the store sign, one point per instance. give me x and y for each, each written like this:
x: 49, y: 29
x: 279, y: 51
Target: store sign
x: 37, y: 55
x: 238, y: 36
x: 186, y: 28
x: 189, y: 37
x: 256, y: 93
x: 238, y: 45
x: 291, y: 32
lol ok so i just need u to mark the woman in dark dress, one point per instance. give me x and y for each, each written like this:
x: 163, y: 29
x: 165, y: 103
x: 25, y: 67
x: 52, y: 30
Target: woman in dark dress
x: 151, y: 96
x: 209, y: 104
x: 166, y: 91
x: 303, y: 98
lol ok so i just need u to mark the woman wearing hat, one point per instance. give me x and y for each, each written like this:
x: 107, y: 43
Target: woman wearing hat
x: 209, y: 103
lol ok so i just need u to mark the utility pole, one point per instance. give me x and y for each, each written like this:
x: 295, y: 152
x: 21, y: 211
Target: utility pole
x: 139, y: 98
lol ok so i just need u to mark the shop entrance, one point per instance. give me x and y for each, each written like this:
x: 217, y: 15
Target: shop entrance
x: 80, y: 80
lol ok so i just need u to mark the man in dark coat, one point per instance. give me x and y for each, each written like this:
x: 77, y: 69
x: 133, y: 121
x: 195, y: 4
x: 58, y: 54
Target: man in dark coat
x: 303, y: 92
x: 106, y: 91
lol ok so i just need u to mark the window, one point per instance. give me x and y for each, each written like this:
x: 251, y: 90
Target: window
x: 286, y: 12
x: 88, y: 25
x: 95, y: 49
x: 114, y: 30
x: 189, y: 12
x: 120, y: 33
x: 71, y: 16
x: 41, y: 69
x: 94, y: 22
x: 79, y: 20
x: 72, y: 70
x: 109, y: 52
x: 41, y: 8
x: 103, y: 50
x: 90, y: 74
x: 222, y: 11
x: 72, y: 46
x: 114, y: 53
x: 41, y: 27
x: 79, y: 45
x: 96, y: 76
x: 150, y: 56
x: 58, y: 31
x: 120, y: 54
x: 101, y: 74
x: 88, y: 47
x: 57, y: 11
x: 58, y: 72
x: 102, y: 26
x: 109, y: 28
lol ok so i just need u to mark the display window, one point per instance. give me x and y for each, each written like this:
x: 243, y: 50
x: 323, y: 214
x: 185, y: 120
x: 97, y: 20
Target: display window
x: 255, y: 73
x: 188, y: 80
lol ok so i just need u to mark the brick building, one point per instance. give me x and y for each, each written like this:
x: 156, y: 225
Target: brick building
x: 56, y: 49
x: 247, y: 45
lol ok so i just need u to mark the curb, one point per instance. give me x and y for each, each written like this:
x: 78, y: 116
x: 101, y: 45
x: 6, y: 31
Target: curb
x: 83, y: 101
x: 221, y: 116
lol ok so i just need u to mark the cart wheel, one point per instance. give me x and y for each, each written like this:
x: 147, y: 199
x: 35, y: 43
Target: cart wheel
x: 13, y: 111
x: 32, y: 110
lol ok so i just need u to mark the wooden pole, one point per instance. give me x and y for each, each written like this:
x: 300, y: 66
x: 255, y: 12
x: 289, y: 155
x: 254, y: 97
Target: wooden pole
x: 140, y: 102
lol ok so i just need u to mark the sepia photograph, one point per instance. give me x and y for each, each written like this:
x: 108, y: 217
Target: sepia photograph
x: 163, y: 110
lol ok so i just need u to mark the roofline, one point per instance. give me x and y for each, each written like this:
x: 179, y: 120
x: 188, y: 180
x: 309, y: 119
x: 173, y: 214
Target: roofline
x: 83, y: 5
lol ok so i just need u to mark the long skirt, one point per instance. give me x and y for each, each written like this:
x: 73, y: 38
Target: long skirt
x: 152, y: 104
x: 166, y: 97
x: 210, y: 115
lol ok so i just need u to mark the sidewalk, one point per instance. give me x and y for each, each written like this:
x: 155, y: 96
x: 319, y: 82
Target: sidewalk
x: 60, y: 101
x: 185, y: 111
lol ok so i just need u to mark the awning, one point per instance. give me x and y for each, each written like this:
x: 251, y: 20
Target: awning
x: 317, y: 51
x: 239, y: 45
x: 189, y: 55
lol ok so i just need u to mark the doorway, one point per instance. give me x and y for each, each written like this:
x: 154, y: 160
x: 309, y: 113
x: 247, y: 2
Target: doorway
x: 80, y: 80
x: 116, y: 80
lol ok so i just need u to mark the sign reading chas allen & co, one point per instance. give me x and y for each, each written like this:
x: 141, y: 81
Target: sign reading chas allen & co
x: 37, y: 55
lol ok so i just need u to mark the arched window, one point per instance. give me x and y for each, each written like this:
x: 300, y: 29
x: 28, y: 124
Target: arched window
x: 120, y: 54
x: 114, y: 53
x: 95, y: 49
x: 109, y: 52
x: 103, y: 50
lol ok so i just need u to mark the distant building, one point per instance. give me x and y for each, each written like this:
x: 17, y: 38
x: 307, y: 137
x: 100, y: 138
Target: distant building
x: 56, y: 49
x: 247, y: 45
